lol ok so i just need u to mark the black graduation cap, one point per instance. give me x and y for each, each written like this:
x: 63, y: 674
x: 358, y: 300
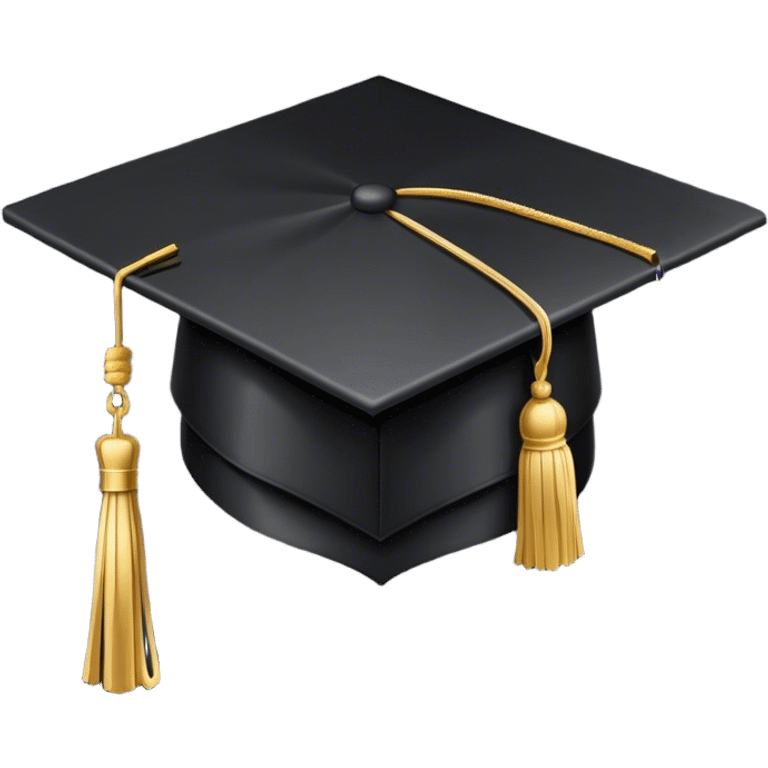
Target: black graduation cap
x: 348, y: 384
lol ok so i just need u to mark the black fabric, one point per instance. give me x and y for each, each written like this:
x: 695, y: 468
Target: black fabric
x: 276, y: 259
x: 327, y: 351
x: 378, y: 473
x: 480, y: 517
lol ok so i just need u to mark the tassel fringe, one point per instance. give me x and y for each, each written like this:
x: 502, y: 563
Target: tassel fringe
x: 549, y: 534
x: 121, y: 645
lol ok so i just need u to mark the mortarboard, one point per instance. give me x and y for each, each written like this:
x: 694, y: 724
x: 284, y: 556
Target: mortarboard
x: 352, y: 359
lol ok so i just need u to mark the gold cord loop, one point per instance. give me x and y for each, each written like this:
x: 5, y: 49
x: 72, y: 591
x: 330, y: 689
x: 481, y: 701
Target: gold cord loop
x: 118, y: 411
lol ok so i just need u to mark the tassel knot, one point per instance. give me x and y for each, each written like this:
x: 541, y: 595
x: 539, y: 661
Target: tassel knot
x: 117, y: 366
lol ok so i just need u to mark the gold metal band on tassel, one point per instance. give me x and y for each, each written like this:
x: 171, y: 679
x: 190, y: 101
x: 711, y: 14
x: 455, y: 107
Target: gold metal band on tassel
x: 549, y: 444
x: 119, y: 480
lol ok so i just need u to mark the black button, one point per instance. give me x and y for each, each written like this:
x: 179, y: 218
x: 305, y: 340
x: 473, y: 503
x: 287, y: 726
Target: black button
x: 373, y: 198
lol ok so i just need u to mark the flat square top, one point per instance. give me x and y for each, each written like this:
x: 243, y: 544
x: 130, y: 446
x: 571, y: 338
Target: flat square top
x: 276, y: 258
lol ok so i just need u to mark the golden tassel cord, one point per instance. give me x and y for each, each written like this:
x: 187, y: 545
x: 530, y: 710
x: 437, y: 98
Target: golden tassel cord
x: 548, y: 529
x: 643, y: 251
x: 121, y: 652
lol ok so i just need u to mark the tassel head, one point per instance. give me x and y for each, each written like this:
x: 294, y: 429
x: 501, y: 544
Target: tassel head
x: 548, y: 530
x: 118, y: 461
x: 543, y: 420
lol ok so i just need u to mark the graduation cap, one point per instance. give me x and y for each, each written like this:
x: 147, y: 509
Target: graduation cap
x: 376, y: 287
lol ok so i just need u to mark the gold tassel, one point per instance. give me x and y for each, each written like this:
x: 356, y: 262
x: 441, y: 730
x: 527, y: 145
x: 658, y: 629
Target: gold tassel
x: 548, y: 530
x: 121, y: 644
x: 121, y: 652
